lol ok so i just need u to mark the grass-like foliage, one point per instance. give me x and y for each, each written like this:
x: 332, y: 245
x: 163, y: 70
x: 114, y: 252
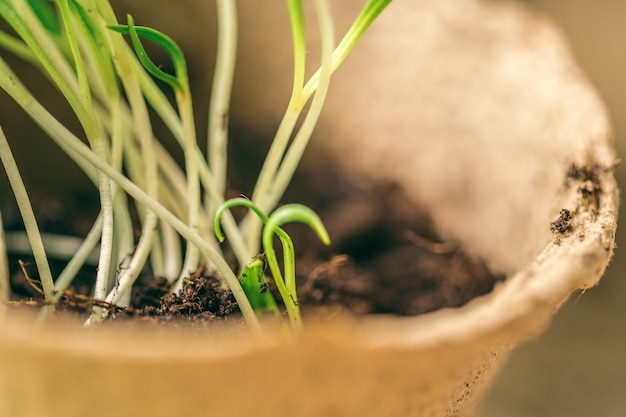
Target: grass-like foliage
x: 101, y: 68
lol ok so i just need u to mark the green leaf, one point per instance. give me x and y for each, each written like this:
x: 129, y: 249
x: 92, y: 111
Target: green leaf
x: 256, y: 288
x: 46, y: 13
x: 177, y: 82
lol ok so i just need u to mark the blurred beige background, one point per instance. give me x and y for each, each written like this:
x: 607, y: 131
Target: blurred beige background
x: 578, y: 367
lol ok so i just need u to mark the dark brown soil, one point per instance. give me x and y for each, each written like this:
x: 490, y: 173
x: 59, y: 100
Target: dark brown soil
x: 203, y: 297
x: 383, y: 259
x: 589, y: 176
x: 562, y: 224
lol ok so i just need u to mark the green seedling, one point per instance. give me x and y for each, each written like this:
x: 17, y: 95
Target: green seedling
x: 288, y: 213
x: 100, y: 67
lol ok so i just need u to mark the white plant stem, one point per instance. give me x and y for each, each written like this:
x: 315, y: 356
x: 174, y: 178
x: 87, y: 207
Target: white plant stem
x: 192, y: 256
x: 109, y: 91
x: 217, y: 140
x: 141, y: 121
x: 294, y: 153
x: 251, y: 225
x: 171, y: 245
x: 61, y: 135
x: 106, y: 240
x: 280, y: 164
x: 161, y: 105
x: 26, y: 211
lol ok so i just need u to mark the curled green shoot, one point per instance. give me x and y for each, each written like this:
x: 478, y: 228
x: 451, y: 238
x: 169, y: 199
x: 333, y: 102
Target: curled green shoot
x: 227, y: 205
x: 177, y: 82
x: 287, y: 287
x: 286, y: 214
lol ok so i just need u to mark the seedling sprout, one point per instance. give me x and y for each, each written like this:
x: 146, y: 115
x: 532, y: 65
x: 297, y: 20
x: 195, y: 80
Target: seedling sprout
x: 79, y: 46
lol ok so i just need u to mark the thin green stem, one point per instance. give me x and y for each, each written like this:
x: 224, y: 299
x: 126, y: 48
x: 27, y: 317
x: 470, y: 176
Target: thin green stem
x: 367, y: 16
x: 106, y: 241
x: 53, y: 128
x: 11, y: 84
x: 180, y: 84
x: 131, y: 272
x: 18, y: 48
x: 295, y: 106
x: 296, y: 19
x: 227, y: 205
x: 280, y: 164
x: 192, y: 260
x: 22, y: 19
x: 144, y: 135
x: 83, y: 84
x: 161, y: 105
x: 28, y: 216
x: 67, y: 141
x: 285, y: 128
x: 302, y: 138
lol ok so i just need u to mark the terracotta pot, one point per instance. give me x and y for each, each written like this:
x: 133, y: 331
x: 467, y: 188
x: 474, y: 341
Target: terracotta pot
x: 479, y: 112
